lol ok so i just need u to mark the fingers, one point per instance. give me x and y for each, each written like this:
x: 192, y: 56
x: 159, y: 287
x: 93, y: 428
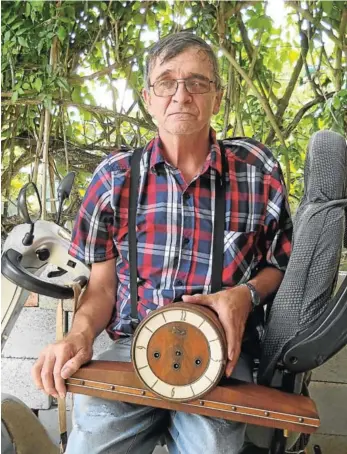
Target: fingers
x: 36, y: 372
x: 47, y: 371
x: 59, y: 382
x: 73, y: 364
x: 233, y: 332
x: 204, y: 300
x: 47, y: 376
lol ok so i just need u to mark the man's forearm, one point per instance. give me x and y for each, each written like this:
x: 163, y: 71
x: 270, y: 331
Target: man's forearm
x: 97, y: 301
x: 267, y: 281
x: 94, y: 313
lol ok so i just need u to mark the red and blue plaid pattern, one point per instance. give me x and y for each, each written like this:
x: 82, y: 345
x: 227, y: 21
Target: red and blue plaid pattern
x: 175, y: 224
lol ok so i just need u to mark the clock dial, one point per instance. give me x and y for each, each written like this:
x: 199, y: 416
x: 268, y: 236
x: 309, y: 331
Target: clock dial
x: 179, y: 353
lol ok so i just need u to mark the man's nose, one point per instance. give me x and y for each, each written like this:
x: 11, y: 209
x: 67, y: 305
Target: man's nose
x: 182, y: 95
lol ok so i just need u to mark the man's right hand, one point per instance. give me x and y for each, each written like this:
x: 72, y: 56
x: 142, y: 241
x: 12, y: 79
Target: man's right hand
x: 59, y: 361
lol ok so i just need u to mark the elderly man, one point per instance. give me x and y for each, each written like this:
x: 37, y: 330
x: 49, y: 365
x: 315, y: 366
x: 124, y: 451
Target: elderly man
x: 174, y: 226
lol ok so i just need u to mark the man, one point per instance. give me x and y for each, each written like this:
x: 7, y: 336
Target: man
x: 174, y: 235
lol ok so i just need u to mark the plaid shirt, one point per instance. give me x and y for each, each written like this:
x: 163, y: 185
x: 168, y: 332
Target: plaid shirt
x: 175, y: 223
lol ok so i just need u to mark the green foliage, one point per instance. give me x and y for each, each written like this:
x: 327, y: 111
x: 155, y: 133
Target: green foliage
x: 91, y: 55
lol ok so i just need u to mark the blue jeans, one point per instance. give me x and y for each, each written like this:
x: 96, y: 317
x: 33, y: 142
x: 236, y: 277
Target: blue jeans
x: 111, y: 427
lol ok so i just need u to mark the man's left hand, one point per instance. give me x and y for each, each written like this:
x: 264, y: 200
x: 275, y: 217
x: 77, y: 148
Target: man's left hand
x: 232, y: 307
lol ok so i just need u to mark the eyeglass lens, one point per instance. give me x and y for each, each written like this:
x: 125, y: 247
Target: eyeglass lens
x: 168, y: 87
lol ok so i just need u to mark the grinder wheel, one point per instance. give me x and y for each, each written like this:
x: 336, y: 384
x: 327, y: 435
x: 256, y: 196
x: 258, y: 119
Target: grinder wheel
x: 179, y: 351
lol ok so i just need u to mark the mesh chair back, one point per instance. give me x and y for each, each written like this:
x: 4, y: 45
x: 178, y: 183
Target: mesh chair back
x: 319, y: 230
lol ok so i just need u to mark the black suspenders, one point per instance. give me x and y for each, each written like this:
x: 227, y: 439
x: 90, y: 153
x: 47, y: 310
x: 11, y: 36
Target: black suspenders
x: 218, y: 232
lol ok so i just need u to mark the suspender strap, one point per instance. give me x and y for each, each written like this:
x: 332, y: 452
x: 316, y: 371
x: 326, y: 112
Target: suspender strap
x: 218, y: 225
x: 134, y: 184
x: 218, y: 229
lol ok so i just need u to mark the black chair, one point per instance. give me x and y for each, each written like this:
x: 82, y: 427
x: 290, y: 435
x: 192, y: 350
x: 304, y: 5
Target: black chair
x: 307, y: 322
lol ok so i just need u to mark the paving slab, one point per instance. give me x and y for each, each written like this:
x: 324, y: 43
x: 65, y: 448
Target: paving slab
x: 33, y: 330
x: 49, y: 418
x: 102, y: 343
x: 334, y: 370
x: 16, y: 380
x: 330, y: 444
x: 45, y: 302
x: 331, y: 401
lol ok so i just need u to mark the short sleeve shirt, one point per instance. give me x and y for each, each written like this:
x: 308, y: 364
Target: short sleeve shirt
x: 174, y: 224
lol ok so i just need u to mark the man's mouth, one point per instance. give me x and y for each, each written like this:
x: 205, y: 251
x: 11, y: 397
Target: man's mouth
x: 182, y: 113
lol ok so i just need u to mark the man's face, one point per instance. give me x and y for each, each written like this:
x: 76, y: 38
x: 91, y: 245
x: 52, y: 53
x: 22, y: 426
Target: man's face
x: 183, y: 113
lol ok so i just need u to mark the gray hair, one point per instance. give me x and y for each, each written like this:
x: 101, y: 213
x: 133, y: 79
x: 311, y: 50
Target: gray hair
x: 174, y: 44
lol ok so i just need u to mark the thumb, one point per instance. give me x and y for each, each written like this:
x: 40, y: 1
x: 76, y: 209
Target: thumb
x: 72, y: 366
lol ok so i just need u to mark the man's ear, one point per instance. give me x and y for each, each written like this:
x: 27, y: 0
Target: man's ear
x: 217, y: 101
x: 147, y: 98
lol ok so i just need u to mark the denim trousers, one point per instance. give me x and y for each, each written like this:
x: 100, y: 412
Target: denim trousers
x: 112, y: 427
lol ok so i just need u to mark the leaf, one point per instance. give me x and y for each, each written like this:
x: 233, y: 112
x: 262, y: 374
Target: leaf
x: 22, y: 41
x: 14, y: 96
x: 38, y: 84
x: 336, y: 102
x: 293, y: 55
x: 61, y: 33
x: 327, y: 7
x: 7, y: 36
x: 27, y: 9
x: 76, y: 95
x: 40, y: 46
x: 62, y: 83
x: 151, y: 20
x: 26, y: 86
x: 66, y: 20
x: 86, y: 115
x: 103, y: 6
x: 47, y: 102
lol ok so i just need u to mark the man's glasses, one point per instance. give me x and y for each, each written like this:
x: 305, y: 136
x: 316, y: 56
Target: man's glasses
x: 168, y: 87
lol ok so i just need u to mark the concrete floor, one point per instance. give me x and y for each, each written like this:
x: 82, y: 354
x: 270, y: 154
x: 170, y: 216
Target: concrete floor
x: 36, y: 327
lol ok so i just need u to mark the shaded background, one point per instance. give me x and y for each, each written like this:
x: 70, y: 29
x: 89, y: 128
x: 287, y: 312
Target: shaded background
x: 72, y: 73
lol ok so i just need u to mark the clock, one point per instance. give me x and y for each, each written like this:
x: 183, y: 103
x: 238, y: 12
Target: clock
x: 179, y: 351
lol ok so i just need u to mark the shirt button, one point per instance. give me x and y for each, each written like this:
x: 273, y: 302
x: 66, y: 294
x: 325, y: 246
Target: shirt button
x: 186, y: 241
x: 179, y: 283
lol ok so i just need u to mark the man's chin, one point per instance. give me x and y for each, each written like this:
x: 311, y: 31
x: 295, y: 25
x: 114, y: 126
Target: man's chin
x: 182, y: 128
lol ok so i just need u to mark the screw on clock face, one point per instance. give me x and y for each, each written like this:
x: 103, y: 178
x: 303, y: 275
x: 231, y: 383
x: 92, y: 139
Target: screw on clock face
x: 178, y: 353
x: 198, y: 361
x: 176, y: 366
x: 156, y: 355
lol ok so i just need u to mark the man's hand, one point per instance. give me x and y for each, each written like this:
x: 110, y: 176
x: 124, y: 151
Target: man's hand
x: 232, y: 307
x: 59, y: 361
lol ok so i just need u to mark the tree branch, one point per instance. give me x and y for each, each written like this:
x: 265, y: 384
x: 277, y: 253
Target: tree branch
x: 308, y: 16
x: 237, y: 8
x: 250, y: 52
x: 338, y: 61
x: 284, y: 101
x: 302, y: 112
x: 92, y: 109
x: 267, y: 109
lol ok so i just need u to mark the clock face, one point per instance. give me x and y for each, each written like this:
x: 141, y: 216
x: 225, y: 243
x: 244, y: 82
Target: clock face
x: 178, y: 353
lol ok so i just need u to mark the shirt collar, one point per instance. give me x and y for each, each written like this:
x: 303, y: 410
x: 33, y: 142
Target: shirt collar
x: 213, y: 160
